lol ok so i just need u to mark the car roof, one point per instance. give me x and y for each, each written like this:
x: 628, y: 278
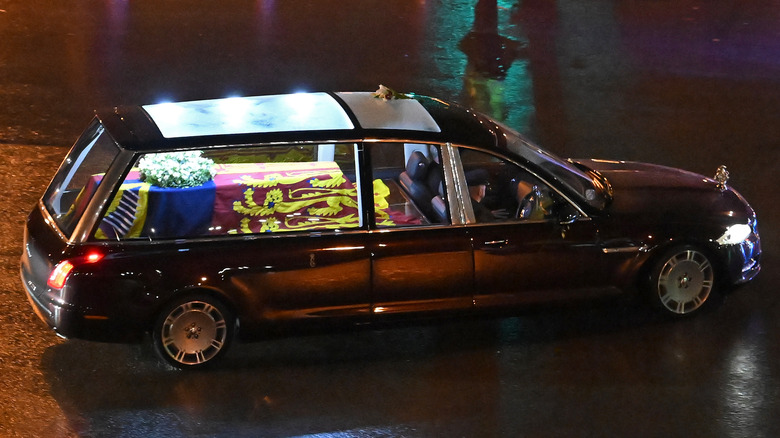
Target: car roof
x: 319, y: 116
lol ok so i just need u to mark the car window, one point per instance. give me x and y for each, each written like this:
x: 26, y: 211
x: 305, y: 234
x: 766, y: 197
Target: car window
x: 230, y: 191
x: 77, y: 179
x: 591, y: 190
x: 408, y: 185
x: 502, y: 191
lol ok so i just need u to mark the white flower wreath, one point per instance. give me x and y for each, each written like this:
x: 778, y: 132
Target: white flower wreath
x: 176, y: 169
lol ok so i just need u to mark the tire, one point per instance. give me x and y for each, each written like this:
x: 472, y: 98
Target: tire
x: 682, y: 281
x: 193, y: 332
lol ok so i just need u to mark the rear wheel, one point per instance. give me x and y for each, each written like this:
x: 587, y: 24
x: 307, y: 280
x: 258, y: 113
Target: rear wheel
x: 194, y: 331
x: 682, y: 280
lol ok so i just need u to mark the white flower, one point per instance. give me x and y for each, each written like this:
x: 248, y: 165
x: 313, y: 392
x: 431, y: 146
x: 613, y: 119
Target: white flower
x: 176, y: 169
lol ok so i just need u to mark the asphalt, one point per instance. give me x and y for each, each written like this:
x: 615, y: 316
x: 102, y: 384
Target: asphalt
x: 685, y: 84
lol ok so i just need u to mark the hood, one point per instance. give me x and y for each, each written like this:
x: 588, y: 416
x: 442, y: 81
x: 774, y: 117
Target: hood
x: 652, y: 192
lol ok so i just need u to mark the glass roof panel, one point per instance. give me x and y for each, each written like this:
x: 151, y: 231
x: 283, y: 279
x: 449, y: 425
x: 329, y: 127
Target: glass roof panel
x: 249, y: 115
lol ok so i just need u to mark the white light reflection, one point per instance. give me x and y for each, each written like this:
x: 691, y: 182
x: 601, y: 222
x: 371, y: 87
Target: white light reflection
x: 748, y: 392
x: 301, y: 105
x: 233, y: 111
x: 244, y: 115
x: 372, y: 431
x: 735, y: 234
x: 344, y: 248
x: 167, y: 113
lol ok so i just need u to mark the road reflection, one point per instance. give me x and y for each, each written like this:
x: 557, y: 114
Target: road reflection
x: 748, y: 394
x: 679, y: 83
x: 464, y: 377
x: 489, y: 57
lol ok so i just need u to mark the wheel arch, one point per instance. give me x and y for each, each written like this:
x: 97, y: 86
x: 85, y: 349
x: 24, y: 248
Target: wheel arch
x: 198, y: 290
x: 657, y: 252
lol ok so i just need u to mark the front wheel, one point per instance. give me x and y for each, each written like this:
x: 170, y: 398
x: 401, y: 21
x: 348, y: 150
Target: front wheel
x: 682, y: 280
x: 193, y: 332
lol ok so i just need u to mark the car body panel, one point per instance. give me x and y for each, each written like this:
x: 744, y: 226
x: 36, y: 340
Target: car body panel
x: 368, y: 273
x: 659, y: 192
x: 421, y: 270
x: 656, y: 206
x: 521, y: 263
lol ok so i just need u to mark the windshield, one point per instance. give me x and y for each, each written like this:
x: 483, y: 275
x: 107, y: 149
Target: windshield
x: 588, y: 188
x: 78, y: 176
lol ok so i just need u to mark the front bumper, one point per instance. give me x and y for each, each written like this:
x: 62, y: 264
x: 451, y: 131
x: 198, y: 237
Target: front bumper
x: 744, y: 259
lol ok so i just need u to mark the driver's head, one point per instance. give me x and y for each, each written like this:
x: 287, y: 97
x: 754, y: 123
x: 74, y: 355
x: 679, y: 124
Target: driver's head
x: 477, y: 180
x: 478, y: 192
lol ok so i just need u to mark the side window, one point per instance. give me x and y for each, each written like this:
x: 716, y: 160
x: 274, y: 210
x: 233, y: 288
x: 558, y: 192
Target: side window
x: 264, y: 189
x: 408, y: 185
x: 502, y: 191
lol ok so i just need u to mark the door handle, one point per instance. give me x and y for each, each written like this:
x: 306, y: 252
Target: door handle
x: 496, y: 242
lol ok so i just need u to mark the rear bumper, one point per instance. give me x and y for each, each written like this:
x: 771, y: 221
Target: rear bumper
x: 69, y: 314
x: 69, y: 321
x: 56, y: 316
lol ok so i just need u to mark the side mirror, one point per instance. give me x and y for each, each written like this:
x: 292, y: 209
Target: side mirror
x: 568, y: 215
x: 569, y: 219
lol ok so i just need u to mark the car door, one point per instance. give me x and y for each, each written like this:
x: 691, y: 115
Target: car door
x: 304, y: 278
x: 420, y: 261
x: 537, y: 262
x: 314, y: 264
x: 529, y: 244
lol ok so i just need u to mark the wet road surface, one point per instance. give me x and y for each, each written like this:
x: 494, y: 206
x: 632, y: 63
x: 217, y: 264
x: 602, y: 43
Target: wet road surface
x: 680, y: 83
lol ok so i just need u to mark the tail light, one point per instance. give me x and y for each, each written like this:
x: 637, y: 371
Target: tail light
x: 63, y: 269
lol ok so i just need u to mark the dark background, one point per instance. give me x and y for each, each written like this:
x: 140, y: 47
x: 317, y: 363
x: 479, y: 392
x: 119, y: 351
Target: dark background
x: 683, y: 83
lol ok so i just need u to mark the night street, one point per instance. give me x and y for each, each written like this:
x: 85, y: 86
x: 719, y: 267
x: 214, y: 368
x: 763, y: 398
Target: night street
x: 680, y: 83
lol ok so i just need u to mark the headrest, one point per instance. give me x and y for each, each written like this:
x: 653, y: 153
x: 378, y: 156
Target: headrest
x: 440, y: 208
x: 417, y: 166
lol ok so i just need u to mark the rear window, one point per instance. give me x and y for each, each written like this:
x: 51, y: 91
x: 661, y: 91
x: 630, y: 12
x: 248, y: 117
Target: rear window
x: 77, y: 179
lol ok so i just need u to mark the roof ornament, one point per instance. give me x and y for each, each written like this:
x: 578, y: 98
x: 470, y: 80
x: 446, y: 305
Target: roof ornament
x: 387, y: 93
x: 722, y: 177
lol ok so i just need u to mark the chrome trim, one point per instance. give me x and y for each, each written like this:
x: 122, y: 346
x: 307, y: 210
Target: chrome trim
x: 93, y: 213
x: 625, y: 249
x: 461, y: 212
x: 49, y: 220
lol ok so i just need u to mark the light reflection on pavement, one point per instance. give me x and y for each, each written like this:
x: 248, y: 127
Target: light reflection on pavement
x: 684, y: 84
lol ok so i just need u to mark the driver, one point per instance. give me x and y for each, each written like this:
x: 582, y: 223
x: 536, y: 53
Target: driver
x: 477, y: 181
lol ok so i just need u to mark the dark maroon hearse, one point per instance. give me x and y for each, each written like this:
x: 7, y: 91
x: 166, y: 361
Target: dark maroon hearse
x: 191, y: 220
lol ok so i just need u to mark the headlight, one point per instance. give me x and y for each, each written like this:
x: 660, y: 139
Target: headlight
x: 735, y: 234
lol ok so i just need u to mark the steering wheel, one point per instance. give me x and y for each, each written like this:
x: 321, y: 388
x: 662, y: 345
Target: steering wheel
x: 529, y: 204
